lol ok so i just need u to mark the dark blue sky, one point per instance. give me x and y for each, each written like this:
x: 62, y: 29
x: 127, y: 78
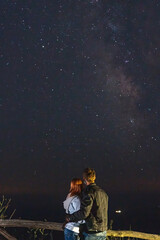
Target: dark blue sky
x: 80, y: 87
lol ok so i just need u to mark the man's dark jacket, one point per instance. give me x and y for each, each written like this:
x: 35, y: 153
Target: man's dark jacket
x: 94, y: 209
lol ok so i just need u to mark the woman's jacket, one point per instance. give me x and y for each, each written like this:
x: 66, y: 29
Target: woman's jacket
x: 71, y: 205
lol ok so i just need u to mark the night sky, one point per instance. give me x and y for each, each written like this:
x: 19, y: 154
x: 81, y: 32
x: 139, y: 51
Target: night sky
x: 79, y: 87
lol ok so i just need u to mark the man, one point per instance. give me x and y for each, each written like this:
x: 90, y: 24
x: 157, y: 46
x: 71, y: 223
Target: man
x: 94, y: 208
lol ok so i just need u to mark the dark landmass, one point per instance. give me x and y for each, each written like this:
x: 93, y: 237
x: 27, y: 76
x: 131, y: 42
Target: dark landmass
x: 139, y: 213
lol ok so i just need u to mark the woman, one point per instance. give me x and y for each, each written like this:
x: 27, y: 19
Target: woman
x: 71, y: 205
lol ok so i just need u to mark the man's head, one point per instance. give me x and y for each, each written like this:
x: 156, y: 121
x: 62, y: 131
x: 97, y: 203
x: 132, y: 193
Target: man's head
x: 89, y: 175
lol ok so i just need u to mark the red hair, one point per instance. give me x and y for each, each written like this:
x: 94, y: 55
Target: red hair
x: 76, y: 187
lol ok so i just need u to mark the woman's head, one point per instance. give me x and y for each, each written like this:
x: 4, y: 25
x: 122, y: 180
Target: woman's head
x: 76, y: 186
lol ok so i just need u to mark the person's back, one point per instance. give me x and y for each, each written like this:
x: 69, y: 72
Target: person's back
x: 72, y: 204
x: 97, y: 219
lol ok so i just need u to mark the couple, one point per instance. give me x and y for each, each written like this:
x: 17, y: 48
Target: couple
x: 86, y: 207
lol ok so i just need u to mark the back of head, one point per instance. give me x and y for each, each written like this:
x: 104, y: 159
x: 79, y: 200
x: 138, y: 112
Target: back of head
x: 89, y: 174
x: 76, y: 186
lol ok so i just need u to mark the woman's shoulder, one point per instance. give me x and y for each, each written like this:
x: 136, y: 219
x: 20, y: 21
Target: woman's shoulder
x: 72, y: 198
x: 75, y: 203
x: 75, y: 199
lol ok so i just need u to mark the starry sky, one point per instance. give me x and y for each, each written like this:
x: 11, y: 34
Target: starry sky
x: 80, y: 87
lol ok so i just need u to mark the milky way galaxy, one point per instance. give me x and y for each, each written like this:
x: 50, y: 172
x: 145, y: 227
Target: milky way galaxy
x: 80, y: 87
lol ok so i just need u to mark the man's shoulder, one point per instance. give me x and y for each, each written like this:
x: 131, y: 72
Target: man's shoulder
x: 95, y: 188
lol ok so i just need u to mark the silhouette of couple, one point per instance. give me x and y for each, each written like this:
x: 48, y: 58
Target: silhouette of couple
x: 86, y: 209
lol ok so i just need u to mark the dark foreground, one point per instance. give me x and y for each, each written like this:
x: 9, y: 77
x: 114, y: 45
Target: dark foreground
x: 140, y: 213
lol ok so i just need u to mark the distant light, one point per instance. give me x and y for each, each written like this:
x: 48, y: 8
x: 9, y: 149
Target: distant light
x: 118, y: 211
